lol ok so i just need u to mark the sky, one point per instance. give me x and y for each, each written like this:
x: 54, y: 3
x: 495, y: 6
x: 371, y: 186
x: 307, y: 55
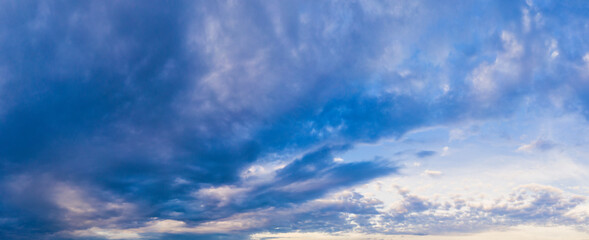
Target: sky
x: 405, y: 119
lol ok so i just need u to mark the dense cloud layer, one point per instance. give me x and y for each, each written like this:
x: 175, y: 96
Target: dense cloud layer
x: 119, y: 113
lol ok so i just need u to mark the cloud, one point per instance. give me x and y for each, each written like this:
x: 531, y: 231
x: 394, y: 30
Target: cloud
x: 326, y: 213
x: 112, y: 107
x: 310, y: 177
x: 432, y: 173
x: 518, y: 232
x: 489, y: 80
x: 540, y: 144
x: 340, y: 212
x: 527, y: 204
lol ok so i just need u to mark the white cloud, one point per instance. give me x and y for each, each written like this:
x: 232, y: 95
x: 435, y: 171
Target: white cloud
x: 235, y: 223
x: 72, y: 199
x: 222, y: 195
x: 488, y: 80
x: 240, y: 221
x: 553, y: 49
x: 580, y: 213
x: 106, y: 233
x: 526, y: 19
x: 412, y: 214
x: 533, y: 203
x: 445, y: 150
x: 432, y: 173
x: 586, y: 60
x: 540, y: 144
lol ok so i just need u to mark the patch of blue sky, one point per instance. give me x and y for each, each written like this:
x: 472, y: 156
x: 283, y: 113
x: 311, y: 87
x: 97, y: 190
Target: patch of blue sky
x: 488, y: 158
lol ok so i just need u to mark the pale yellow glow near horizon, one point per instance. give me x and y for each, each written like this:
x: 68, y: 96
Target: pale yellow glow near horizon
x: 514, y: 233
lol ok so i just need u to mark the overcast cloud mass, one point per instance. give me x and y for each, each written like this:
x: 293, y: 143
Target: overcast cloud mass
x: 294, y: 119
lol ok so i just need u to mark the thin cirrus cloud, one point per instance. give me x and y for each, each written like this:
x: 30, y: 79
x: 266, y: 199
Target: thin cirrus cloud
x: 126, y: 120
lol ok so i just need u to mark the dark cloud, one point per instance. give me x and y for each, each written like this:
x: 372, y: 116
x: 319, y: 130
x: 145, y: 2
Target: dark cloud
x: 102, y: 96
x: 310, y: 177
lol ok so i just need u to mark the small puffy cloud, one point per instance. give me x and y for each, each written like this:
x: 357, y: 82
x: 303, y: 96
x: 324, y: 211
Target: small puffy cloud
x: 445, y: 150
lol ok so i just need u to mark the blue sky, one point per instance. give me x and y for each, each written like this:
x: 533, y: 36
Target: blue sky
x: 294, y: 119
